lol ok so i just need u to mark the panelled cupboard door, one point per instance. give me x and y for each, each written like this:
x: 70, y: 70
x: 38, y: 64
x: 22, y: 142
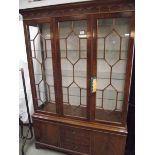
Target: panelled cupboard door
x: 46, y: 132
x: 71, y: 139
x: 40, y: 60
x: 72, y: 36
x: 108, y: 144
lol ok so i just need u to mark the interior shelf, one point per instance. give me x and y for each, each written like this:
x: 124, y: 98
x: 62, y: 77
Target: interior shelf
x: 81, y: 111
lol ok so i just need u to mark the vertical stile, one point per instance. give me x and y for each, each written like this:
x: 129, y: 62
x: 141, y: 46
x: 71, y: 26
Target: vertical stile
x: 128, y: 71
x: 91, y: 65
x: 57, y: 67
x: 30, y: 66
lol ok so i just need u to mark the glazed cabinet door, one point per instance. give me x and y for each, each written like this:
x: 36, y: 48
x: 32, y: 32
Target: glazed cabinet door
x: 113, y: 59
x: 72, y: 38
x: 40, y: 62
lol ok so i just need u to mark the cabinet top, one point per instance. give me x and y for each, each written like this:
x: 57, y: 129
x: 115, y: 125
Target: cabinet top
x: 86, y: 7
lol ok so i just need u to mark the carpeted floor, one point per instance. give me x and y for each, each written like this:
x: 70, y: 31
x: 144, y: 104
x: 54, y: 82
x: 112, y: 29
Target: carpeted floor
x: 31, y: 150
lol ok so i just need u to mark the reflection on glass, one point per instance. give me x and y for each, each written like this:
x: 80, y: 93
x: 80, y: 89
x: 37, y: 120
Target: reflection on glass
x: 40, y: 41
x: 112, y: 47
x: 73, y: 52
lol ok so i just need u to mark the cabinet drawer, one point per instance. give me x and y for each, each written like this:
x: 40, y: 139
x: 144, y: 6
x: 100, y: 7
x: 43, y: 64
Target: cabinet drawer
x: 75, y: 139
x: 46, y: 132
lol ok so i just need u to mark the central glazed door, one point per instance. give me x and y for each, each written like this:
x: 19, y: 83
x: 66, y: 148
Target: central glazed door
x: 73, y: 54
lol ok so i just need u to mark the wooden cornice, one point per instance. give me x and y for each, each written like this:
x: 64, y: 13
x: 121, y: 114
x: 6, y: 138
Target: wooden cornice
x: 89, y: 7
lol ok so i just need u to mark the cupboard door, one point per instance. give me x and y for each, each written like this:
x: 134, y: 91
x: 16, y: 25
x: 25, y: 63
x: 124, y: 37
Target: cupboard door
x: 40, y: 54
x: 108, y: 144
x: 73, y: 55
x: 71, y: 139
x: 112, y: 53
x: 46, y: 132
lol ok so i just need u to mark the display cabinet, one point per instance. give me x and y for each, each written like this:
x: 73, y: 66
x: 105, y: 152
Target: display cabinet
x: 80, y: 59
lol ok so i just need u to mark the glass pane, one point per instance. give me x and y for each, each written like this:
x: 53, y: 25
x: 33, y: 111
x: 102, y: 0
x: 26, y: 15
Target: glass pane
x: 112, y: 47
x: 40, y: 41
x: 73, y: 52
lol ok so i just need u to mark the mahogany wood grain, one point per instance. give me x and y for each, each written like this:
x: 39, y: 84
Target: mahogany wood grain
x: 46, y: 133
x: 90, y: 7
x: 75, y: 139
x: 108, y: 144
x: 78, y: 140
x: 91, y: 66
x: 57, y: 62
x: 82, y: 124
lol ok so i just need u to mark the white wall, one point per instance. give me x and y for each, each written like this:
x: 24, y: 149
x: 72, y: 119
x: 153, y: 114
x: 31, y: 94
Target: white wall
x: 28, y: 4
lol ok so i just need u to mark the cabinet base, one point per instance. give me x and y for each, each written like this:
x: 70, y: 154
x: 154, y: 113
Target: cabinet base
x: 46, y: 146
x: 76, y: 138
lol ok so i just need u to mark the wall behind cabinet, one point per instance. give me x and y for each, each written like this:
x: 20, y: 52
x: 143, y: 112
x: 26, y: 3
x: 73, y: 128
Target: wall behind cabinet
x: 27, y: 4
